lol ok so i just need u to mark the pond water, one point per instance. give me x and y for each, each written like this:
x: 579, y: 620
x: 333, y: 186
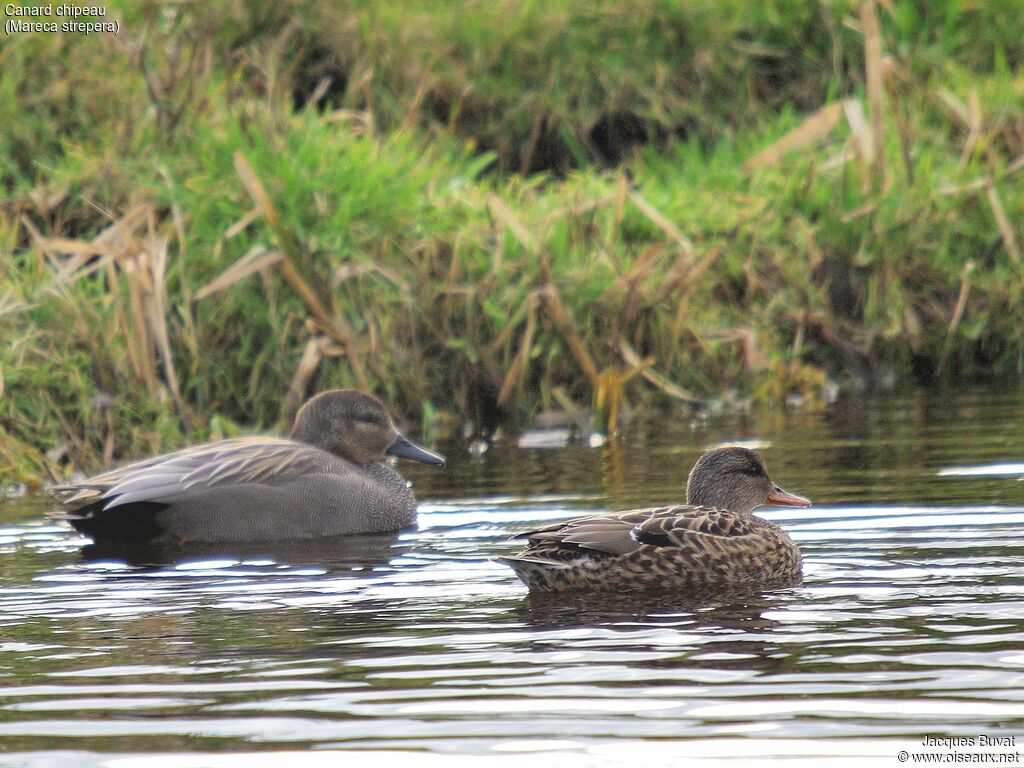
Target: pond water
x: 909, y: 623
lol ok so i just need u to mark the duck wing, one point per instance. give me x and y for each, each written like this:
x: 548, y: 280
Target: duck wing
x: 681, y: 526
x: 621, y: 533
x: 164, y: 479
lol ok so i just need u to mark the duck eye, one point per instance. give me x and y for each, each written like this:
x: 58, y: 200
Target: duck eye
x: 367, y: 418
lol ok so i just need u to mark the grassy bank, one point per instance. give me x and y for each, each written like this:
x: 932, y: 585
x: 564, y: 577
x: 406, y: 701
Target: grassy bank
x: 488, y: 212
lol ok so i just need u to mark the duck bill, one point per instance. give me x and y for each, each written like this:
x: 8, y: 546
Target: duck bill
x: 405, y: 448
x: 781, y: 498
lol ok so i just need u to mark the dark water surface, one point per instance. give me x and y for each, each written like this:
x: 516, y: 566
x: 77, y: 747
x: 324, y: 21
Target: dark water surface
x: 910, y: 621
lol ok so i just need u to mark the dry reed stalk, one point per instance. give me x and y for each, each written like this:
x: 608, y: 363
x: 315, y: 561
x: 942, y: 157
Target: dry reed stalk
x: 242, y: 224
x: 46, y: 200
x: 838, y: 160
x: 954, y: 106
x: 14, y: 452
x: 337, y: 327
x: 562, y: 317
x: 460, y: 105
x: 816, y: 126
x: 256, y: 260
x: 108, y: 438
x: 663, y: 223
x: 956, y: 316
x: 188, y: 335
x: 611, y: 392
x: 685, y: 278
x: 322, y: 87
x: 554, y: 306
x: 312, y: 354
x: 500, y: 210
x: 678, y: 323
x: 349, y: 271
x: 1003, y: 223
x: 521, y: 360
x: 454, y: 264
x: 8, y: 306
x: 578, y: 209
x: 278, y: 76
x: 643, y: 367
x: 621, y: 193
x: 1013, y: 167
x: 685, y: 285
x: 412, y: 110
x: 746, y: 339
x: 580, y: 416
x: 863, y: 141
x: 155, y: 303
x: 627, y: 283
x: 892, y: 76
x: 531, y: 302
x: 873, y: 75
x: 360, y: 121
x: 826, y: 324
x: 143, y: 262
x: 103, y: 245
x: 798, y: 336
x: 48, y: 249
x: 914, y: 328
x: 977, y: 185
x: 467, y: 292
x: 974, y: 124
x: 77, y: 448
x: 132, y: 260
x: 608, y: 399
x: 859, y: 213
x: 64, y: 245
x: 178, y: 221
x: 498, y: 260
x: 983, y: 182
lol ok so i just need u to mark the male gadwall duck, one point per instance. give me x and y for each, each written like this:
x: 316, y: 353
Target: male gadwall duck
x: 329, y: 479
x: 712, y: 541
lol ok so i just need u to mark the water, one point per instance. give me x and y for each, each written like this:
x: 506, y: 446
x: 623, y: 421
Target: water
x: 910, y: 621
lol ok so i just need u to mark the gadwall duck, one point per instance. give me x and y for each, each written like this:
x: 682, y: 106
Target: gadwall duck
x: 329, y: 479
x: 712, y: 541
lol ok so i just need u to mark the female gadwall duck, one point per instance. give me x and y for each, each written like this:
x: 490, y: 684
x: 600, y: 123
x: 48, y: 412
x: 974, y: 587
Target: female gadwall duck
x: 329, y: 479
x: 712, y: 541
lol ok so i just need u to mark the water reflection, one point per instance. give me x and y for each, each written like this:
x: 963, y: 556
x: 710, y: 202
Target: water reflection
x: 733, y: 609
x: 340, y: 554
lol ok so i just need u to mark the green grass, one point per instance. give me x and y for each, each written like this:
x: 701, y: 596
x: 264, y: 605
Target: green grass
x: 462, y: 287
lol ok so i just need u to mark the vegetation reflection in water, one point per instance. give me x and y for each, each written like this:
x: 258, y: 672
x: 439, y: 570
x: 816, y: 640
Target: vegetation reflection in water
x: 910, y: 620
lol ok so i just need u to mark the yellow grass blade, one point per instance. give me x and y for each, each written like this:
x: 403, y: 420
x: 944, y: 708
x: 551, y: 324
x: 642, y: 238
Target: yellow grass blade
x: 816, y: 127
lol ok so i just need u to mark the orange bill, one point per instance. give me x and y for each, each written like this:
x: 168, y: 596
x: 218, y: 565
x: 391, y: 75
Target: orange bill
x: 781, y: 498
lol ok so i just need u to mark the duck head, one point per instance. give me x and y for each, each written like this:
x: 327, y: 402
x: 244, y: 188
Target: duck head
x: 735, y: 479
x: 357, y: 427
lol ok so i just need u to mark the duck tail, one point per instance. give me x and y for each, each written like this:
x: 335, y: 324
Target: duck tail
x: 516, y: 562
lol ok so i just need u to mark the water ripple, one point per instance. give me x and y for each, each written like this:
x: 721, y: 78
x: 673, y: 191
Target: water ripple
x: 910, y: 619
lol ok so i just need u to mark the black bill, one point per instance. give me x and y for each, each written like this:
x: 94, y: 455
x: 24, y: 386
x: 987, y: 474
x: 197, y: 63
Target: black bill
x: 404, y: 448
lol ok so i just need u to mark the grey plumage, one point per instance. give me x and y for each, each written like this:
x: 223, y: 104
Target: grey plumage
x: 329, y: 482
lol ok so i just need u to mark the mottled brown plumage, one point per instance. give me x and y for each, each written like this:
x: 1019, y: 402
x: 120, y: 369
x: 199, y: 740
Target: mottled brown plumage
x: 713, y: 541
x: 327, y: 480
